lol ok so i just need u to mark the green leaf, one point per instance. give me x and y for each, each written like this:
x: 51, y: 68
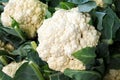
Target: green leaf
x: 36, y: 70
x: 108, y: 24
x: 23, y: 49
x: 6, y: 57
x: 14, y: 22
x: 79, y: 1
x: 107, y: 1
x: 117, y: 7
x: 48, y: 14
x: 1, y: 8
x: 53, y: 3
x: 118, y: 35
x: 26, y: 50
x: 86, y: 55
x: 99, y: 66
x: 58, y: 76
x: 3, y: 52
x: 115, y: 62
x: 87, y: 7
x: 15, y: 26
x: 9, y: 35
x: 3, y: 1
x: 100, y: 16
x: 3, y: 60
x: 111, y: 24
x: 1, y: 66
x: 25, y: 72
x: 10, y: 31
x: 116, y: 26
x: 3, y: 76
x: 102, y: 50
x: 66, y: 5
x: 115, y: 55
x: 82, y: 75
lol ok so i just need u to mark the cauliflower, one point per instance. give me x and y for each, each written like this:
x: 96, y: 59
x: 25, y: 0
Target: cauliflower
x: 11, y: 68
x: 28, y: 13
x: 7, y: 46
x: 61, y: 35
x: 99, y: 3
x: 113, y: 75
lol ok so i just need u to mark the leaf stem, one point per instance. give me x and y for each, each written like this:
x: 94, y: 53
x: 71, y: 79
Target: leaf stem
x: 36, y: 70
x: 3, y: 60
x: 19, y: 32
x: 34, y: 45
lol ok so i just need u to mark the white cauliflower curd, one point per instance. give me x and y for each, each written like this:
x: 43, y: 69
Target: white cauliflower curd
x: 63, y: 34
x: 6, y: 46
x: 11, y: 68
x: 28, y: 13
x: 99, y: 3
x: 113, y: 75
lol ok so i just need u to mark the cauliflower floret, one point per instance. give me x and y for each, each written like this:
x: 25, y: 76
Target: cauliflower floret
x: 61, y: 35
x: 11, y: 68
x: 7, y: 46
x: 99, y: 3
x: 113, y: 75
x: 28, y: 13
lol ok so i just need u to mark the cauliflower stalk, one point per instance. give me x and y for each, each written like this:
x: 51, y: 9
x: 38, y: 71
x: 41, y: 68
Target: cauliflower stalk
x: 28, y: 13
x: 63, y: 34
x: 113, y: 75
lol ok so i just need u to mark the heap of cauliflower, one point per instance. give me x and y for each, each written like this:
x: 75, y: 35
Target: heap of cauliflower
x: 28, y: 13
x: 63, y: 34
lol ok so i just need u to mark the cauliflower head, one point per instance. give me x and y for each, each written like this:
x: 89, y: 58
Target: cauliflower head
x: 6, y: 46
x: 11, y: 68
x: 113, y: 75
x: 28, y: 13
x: 61, y: 35
x: 99, y: 3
